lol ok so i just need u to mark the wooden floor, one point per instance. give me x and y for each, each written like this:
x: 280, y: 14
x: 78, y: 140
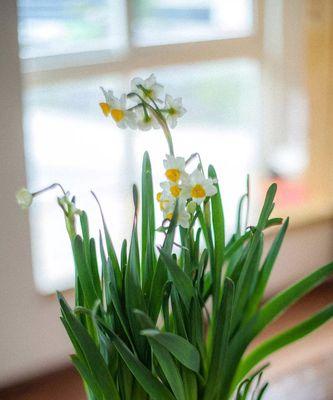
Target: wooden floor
x: 303, y: 371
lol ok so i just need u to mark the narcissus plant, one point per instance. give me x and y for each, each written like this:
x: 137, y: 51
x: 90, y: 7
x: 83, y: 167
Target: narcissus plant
x: 171, y: 314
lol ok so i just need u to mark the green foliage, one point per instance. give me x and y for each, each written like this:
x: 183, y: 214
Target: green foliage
x: 141, y: 328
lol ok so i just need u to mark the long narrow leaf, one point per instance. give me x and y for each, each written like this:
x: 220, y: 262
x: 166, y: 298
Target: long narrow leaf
x: 151, y: 385
x: 219, y: 235
x: 221, y: 336
x: 278, y: 304
x: 180, y: 279
x: 283, y: 339
x: 91, y: 353
x: 179, y: 347
x: 267, y: 269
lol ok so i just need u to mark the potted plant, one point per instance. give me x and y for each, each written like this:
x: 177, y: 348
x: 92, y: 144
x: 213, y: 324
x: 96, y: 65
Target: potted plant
x: 174, y: 321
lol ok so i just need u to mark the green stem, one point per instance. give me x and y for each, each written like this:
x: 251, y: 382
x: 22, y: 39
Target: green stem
x: 160, y: 119
x: 54, y: 185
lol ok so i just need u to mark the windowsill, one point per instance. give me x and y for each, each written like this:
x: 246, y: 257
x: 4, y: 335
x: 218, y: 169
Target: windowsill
x: 311, y: 212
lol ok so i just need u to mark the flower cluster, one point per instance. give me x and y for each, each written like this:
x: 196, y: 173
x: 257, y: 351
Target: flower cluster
x: 185, y: 189
x: 147, y: 111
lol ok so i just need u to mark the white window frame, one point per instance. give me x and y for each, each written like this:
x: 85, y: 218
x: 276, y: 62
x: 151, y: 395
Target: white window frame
x: 50, y: 69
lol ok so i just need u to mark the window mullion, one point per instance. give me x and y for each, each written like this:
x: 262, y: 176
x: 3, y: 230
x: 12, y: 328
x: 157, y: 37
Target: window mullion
x: 129, y: 23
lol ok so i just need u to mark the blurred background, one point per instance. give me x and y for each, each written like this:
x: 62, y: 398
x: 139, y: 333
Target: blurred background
x: 256, y: 77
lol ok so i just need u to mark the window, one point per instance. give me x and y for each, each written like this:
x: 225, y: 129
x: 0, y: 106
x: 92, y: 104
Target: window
x: 164, y: 22
x: 209, y: 52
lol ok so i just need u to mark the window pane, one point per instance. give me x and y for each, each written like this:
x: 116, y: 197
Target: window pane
x: 48, y: 27
x: 69, y: 140
x: 165, y: 21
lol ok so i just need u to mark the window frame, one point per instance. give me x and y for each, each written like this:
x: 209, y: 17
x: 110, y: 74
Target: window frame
x: 56, y: 68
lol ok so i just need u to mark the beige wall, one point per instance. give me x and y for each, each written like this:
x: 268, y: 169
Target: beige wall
x: 31, y: 338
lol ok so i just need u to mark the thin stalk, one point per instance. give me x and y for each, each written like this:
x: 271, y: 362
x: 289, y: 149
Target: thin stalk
x: 54, y: 185
x: 160, y: 119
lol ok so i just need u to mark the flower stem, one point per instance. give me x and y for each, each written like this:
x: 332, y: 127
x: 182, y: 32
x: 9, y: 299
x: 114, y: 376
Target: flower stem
x: 159, y: 116
x: 54, y: 185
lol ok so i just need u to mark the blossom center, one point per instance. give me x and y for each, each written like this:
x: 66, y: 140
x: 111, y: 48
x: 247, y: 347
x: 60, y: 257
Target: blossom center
x: 198, y: 191
x: 172, y: 111
x: 117, y: 115
x: 169, y: 215
x: 148, y: 92
x: 105, y: 108
x: 175, y: 190
x: 173, y: 174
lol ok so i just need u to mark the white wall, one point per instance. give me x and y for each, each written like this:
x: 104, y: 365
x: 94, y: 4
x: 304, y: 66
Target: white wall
x: 32, y: 339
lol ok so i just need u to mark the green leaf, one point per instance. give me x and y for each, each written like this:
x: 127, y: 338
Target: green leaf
x: 177, y: 313
x: 190, y: 384
x: 161, y: 274
x: 87, y: 377
x: 267, y: 207
x: 207, y: 235
x: 106, y: 273
x: 134, y: 298
x: 180, y: 279
x: 274, y: 222
x: 169, y: 369
x: 125, y: 381
x: 246, y: 197
x: 219, y: 234
x: 150, y: 384
x: 94, y: 269
x: 179, y: 347
x: 270, y: 311
x: 85, y: 234
x: 232, y: 248
x: 164, y: 358
x: 263, y: 218
x: 87, y: 349
x: 109, y: 246
x: 283, y: 339
x: 245, y: 386
x: 267, y: 269
x: 148, y: 213
x: 84, y: 274
x: 251, y: 273
x: 117, y: 306
x: 165, y: 304
x: 148, y: 267
x: 221, y: 334
x: 275, y: 306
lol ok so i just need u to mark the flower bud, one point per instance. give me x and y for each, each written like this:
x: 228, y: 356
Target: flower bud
x: 191, y: 207
x: 24, y: 198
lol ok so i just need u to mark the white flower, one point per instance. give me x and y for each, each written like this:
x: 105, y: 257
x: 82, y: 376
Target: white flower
x: 170, y: 189
x: 167, y: 204
x: 175, y: 168
x: 197, y: 187
x: 24, y: 198
x: 174, y: 110
x: 117, y: 109
x: 145, y: 120
x: 148, y: 88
